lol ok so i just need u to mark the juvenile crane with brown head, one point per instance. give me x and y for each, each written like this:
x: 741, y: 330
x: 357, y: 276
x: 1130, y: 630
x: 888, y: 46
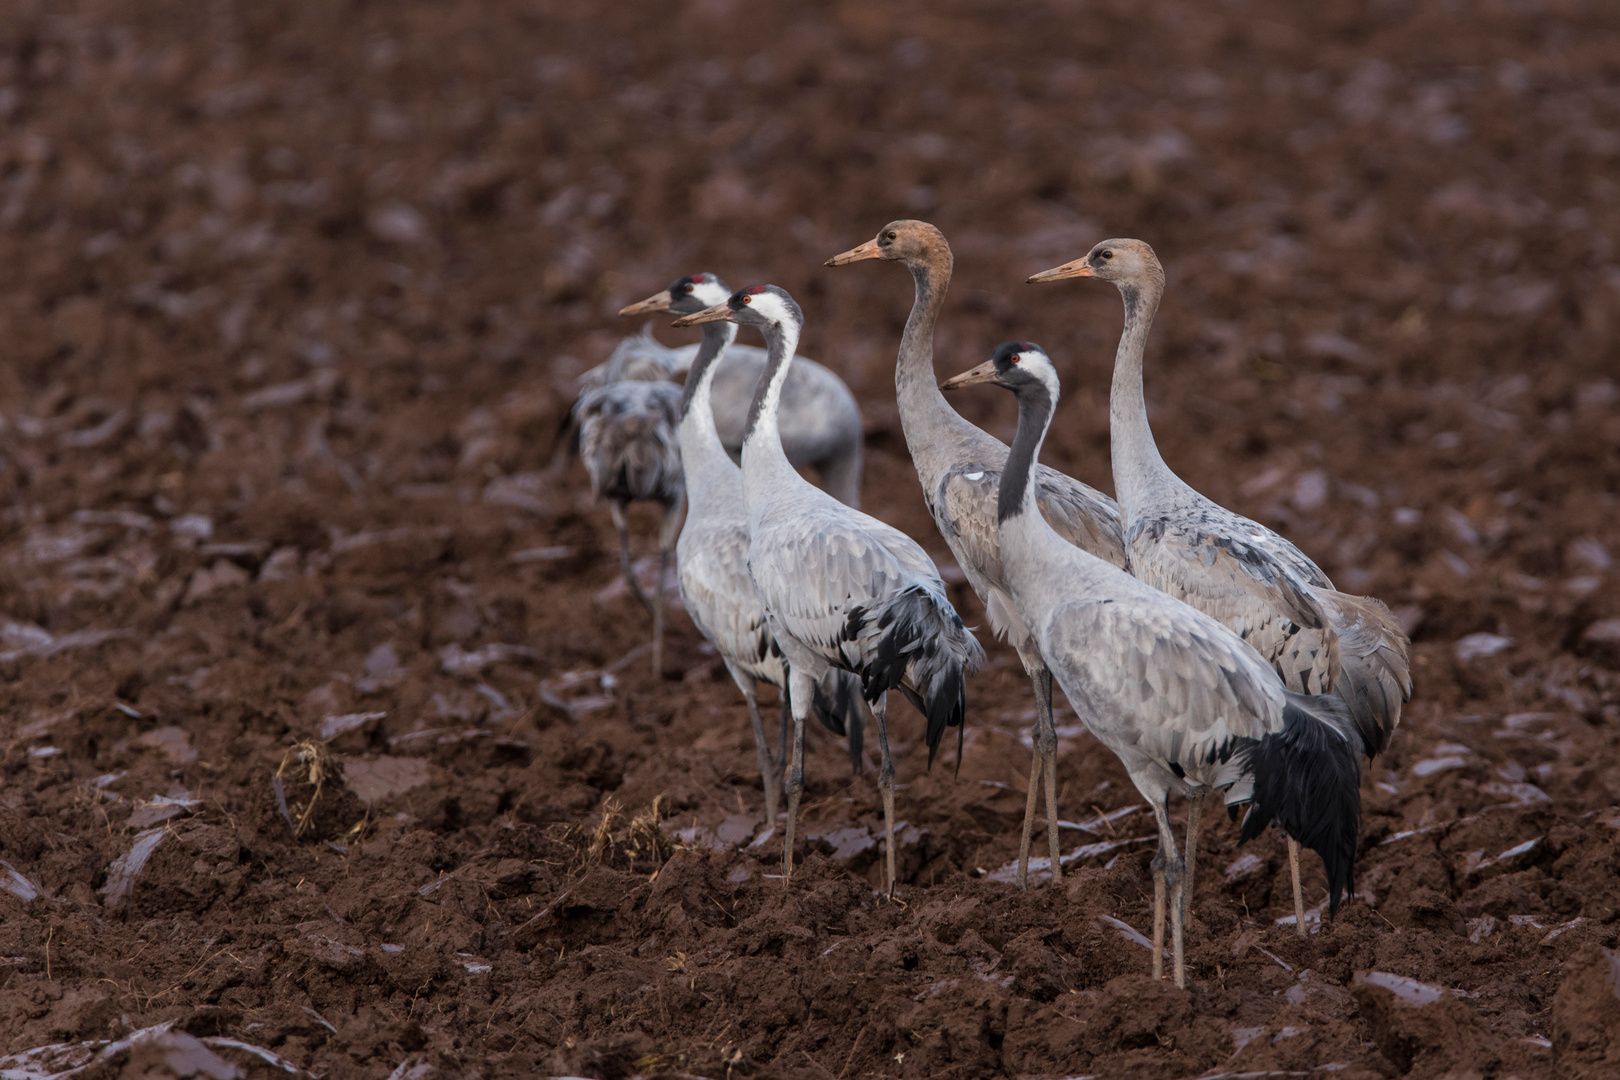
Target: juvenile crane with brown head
x: 960, y: 467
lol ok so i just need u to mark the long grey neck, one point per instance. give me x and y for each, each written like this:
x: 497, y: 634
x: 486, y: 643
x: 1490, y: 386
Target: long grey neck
x: 1017, y: 493
x: 717, y: 337
x: 762, y: 454
x: 1138, y: 468
x: 701, y: 448
x: 923, y: 409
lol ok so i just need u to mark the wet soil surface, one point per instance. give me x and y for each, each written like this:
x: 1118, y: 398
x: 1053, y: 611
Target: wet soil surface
x: 328, y: 728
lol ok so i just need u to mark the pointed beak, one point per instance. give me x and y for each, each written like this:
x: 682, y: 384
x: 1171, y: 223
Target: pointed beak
x: 654, y: 303
x: 1078, y: 268
x: 718, y: 313
x: 868, y: 250
x: 985, y: 372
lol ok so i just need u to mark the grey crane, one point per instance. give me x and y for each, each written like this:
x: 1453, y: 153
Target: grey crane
x: 842, y: 590
x: 821, y: 423
x: 626, y: 436
x: 960, y: 468
x: 711, y: 555
x: 1180, y: 699
x: 1254, y: 581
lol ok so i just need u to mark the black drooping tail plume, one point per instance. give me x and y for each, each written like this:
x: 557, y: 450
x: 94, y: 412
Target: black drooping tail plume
x: 924, y: 652
x: 838, y: 705
x: 1308, y: 777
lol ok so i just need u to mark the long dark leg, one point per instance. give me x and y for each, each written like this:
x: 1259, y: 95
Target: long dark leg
x: 787, y: 725
x: 1195, y: 811
x: 801, y: 691
x: 658, y: 615
x: 855, y: 731
x: 619, y: 522
x: 1168, y: 877
x: 1029, y: 819
x: 1158, y: 912
x: 668, y: 532
x: 886, y: 786
x: 1299, y: 893
x: 767, y: 764
x: 1042, y: 769
x: 1046, y: 744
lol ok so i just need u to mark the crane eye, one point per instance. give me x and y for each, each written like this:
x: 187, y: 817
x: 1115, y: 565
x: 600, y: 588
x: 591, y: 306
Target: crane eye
x: 689, y: 287
x: 890, y: 235
x: 1015, y: 357
x: 748, y: 299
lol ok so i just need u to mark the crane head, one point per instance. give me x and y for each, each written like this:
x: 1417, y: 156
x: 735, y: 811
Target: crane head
x: 686, y: 295
x: 1014, y: 365
x: 906, y: 240
x: 1123, y: 262
x: 757, y: 305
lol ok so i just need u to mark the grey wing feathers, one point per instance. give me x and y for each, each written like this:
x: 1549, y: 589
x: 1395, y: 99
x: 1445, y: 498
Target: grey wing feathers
x: 1242, y: 586
x: 639, y: 358
x: 627, y: 438
x: 964, y: 508
x: 1226, y: 562
x: 1374, y: 674
x: 1081, y: 514
x: 720, y: 597
x: 1267, y: 591
x: 817, y: 572
x: 1184, y: 690
x: 866, y: 597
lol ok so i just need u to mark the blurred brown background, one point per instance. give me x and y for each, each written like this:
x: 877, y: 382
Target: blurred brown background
x: 293, y: 296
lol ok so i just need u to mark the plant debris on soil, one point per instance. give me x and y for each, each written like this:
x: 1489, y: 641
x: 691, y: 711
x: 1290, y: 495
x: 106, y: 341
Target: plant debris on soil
x: 329, y: 744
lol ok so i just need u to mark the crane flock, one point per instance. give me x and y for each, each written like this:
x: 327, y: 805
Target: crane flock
x: 1208, y: 653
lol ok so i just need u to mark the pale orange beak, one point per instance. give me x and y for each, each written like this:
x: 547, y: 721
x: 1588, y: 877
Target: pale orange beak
x: 985, y: 372
x: 654, y: 303
x: 868, y: 250
x: 1078, y: 268
x: 718, y: 313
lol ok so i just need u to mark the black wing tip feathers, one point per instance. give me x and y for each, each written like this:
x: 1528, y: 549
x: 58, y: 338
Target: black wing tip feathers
x: 915, y: 656
x: 837, y: 707
x: 1308, y: 778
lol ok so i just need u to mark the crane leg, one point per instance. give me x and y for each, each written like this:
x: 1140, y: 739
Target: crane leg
x: 1195, y: 811
x: 886, y: 786
x: 1169, y: 875
x: 1299, y: 893
x: 787, y: 725
x: 1158, y: 913
x: 1029, y: 820
x: 801, y: 691
x: 620, y: 523
x: 658, y: 615
x: 767, y: 764
x: 1046, y: 743
x: 669, y: 530
x: 855, y: 732
x: 1042, y: 769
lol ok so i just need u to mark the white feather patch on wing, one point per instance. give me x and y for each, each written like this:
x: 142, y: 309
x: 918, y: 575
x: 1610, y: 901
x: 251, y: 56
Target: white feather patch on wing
x: 1004, y: 618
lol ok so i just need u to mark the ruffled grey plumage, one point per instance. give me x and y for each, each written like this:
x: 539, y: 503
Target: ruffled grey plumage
x: 821, y: 422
